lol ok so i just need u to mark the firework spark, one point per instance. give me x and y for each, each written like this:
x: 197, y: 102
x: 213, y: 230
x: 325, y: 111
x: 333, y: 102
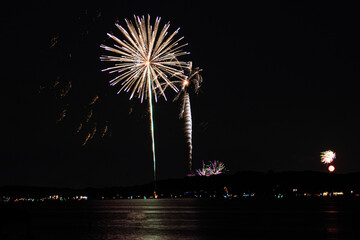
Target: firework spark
x: 89, y: 115
x: 90, y: 124
x: 86, y: 139
x: 66, y: 90
x: 62, y: 116
x: 327, y: 157
x: 104, y: 131
x: 145, y: 62
x: 56, y: 82
x: 192, y: 76
x: 53, y: 41
x: 79, y: 128
x: 93, y: 132
x: 94, y: 100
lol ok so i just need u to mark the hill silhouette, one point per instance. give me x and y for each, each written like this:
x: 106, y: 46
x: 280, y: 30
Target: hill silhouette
x: 261, y: 184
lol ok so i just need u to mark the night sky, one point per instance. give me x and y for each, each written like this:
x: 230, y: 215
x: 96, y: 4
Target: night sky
x: 280, y: 86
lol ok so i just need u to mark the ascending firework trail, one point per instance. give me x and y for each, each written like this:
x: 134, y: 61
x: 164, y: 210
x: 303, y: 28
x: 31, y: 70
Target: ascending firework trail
x: 145, y: 58
x: 192, y: 76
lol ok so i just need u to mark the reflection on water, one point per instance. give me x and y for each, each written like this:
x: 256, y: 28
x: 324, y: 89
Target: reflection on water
x: 335, y: 220
x: 184, y: 219
x: 145, y: 219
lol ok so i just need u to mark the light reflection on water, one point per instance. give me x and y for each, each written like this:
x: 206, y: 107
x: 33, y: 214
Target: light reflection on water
x: 190, y: 219
x: 147, y: 219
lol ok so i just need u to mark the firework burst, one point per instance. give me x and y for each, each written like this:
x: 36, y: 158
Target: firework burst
x: 214, y: 168
x: 203, y: 171
x: 145, y: 62
x: 147, y: 59
x: 327, y: 157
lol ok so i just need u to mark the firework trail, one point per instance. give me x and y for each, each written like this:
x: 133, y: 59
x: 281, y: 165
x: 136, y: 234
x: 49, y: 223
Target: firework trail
x: 66, y: 90
x: 94, y: 100
x: 86, y: 139
x: 53, y: 41
x: 89, y: 115
x: 62, y: 116
x: 327, y: 157
x: 191, y: 76
x: 188, y: 127
x: 56, y: 82
x: 152, y: 128
x: 93, y: 132
x: 61, y: 89
x: 89, y: 125
x: 79, y: 128
x: 143, y: 60
x: 104, y: 131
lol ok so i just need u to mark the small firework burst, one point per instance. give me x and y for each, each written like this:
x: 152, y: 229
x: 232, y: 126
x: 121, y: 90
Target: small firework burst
x: 214, y: 168
x: 203, y: 171
x: 327, y: 157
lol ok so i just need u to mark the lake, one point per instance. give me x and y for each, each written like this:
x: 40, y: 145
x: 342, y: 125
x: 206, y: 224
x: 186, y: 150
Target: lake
x: 182, y: 219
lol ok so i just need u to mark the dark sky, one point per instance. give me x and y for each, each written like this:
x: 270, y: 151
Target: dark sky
x: 280, y: 86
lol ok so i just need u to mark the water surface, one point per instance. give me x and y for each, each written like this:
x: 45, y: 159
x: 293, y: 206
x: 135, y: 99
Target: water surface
x: 183, y: 219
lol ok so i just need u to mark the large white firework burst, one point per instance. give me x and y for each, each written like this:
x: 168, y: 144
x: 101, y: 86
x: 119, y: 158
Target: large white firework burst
x: 146, y: 60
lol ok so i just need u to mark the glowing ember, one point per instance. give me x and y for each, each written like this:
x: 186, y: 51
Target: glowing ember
x: 331, y: 168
